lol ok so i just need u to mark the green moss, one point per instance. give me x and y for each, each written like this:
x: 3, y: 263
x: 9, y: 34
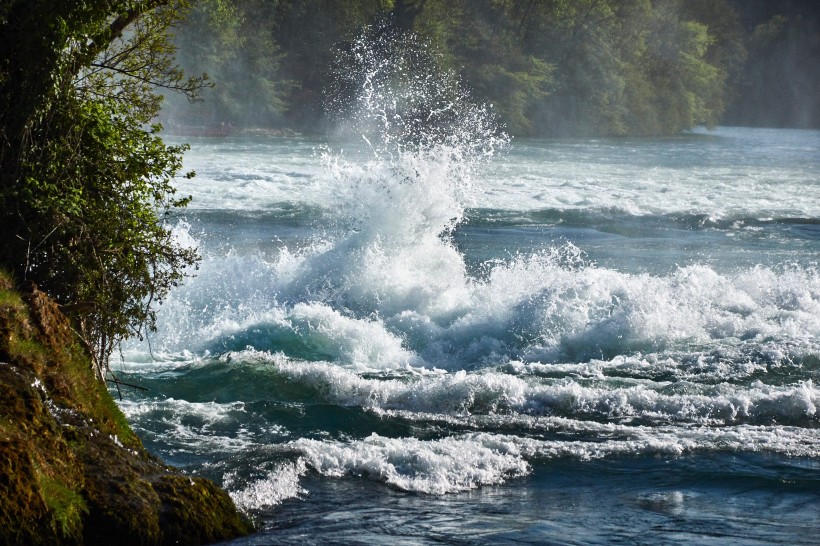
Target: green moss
x: 117, y: 422
x: 122, y: 504
x: 10, y: 299
x: 19, y: 519
x: 190, y: 500
x: 72, y: 471
x: 27, y: 351
x: 67, y: 507
x: 29, y: 446
x: 78, y: 384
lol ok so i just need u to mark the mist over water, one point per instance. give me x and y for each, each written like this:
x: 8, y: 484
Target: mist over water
x: 419, y: 306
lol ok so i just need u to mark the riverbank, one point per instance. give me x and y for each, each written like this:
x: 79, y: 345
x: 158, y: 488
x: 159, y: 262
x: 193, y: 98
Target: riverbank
x: 71, y: 469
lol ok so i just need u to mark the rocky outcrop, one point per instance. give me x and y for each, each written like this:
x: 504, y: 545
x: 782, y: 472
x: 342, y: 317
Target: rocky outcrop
x: 71, y: 469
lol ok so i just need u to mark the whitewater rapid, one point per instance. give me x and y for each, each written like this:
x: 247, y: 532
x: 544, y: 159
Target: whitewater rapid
x: 447, y: 310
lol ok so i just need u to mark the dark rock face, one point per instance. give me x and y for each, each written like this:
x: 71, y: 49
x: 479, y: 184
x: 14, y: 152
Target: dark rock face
x: 71, y: 470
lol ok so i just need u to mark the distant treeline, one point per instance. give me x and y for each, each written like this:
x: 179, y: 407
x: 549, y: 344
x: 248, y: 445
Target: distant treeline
x: 549, y: 67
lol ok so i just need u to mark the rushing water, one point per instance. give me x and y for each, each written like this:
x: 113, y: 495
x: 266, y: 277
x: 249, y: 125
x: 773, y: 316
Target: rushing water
x: 463, y: 341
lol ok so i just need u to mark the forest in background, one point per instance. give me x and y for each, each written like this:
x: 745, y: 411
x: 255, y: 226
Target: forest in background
x: 549, y: 67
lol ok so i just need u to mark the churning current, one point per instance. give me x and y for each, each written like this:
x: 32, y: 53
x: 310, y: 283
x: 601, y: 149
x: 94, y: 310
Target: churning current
x: 460, y: 338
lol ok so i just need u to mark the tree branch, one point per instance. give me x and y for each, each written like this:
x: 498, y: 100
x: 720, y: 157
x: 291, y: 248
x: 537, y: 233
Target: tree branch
x: 101, y: 41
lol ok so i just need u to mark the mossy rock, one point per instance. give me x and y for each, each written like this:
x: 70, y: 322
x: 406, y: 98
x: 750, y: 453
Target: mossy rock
x: 183, y: 498
x: 40, y: 478
x: 71, y: 469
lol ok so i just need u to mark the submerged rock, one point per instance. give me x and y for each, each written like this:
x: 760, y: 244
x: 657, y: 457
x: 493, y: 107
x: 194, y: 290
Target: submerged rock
x: 71, y: 469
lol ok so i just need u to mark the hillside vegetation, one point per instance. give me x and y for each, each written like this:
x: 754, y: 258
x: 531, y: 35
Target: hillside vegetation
x: 549, y: 67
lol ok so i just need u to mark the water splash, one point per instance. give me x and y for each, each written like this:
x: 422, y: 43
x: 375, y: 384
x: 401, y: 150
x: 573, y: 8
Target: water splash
x: 400, y: 207
x: 390, y: 89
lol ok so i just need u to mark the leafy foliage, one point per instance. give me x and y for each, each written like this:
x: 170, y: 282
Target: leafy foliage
x: 86, y: 194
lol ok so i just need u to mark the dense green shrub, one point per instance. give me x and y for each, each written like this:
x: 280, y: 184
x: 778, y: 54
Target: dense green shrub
x: 86, y: 194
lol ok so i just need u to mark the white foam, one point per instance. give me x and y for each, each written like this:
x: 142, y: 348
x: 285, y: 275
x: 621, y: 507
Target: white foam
x: 278, y: 485
x: 796, y: 442
x: 193, y: 427
x: 427, y: 466
x: 387, y: 288
x: 364, y: 344
x: 491, y: 393
x: 376, y: 302
x: 471, y: 460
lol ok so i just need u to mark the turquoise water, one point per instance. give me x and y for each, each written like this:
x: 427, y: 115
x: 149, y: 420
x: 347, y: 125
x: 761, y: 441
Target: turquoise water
x: 574, y: 342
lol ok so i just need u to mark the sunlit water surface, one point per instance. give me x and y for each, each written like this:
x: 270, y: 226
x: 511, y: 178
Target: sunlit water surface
x: 576, y: 342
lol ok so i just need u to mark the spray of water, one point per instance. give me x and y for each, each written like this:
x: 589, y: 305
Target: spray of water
x: 423, y: 139
x: 391, y: 90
